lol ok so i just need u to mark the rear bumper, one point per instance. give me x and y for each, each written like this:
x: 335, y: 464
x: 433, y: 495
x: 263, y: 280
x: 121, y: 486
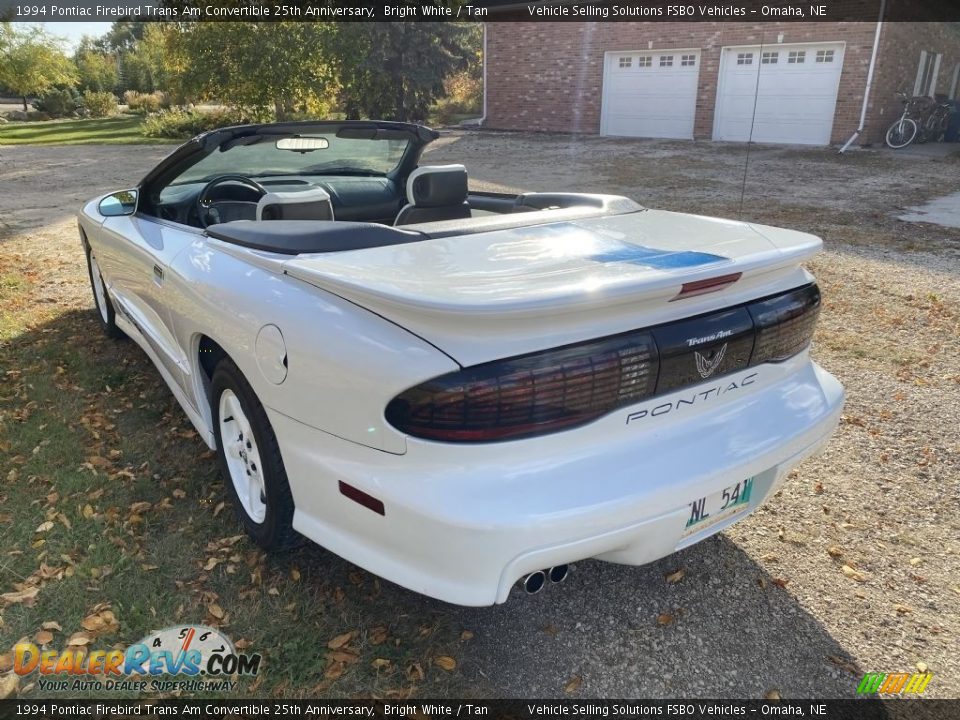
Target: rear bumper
x: 463, y: 522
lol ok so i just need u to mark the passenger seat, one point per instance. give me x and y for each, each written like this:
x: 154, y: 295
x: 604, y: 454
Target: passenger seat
x: 435, y: 192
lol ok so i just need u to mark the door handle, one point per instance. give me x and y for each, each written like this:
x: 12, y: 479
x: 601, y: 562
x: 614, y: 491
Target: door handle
x: 158, y: 274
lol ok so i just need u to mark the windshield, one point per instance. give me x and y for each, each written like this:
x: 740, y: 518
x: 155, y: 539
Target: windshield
x: 270, y: 155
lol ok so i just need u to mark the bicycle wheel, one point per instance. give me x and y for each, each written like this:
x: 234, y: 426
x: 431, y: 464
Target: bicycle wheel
x: 902, y: 133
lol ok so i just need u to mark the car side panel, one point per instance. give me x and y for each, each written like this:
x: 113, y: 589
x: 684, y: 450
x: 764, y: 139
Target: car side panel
x: 344, y: 363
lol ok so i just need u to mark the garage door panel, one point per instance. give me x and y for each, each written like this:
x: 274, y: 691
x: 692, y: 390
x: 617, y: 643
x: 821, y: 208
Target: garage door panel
x: 650, y: 94
x: 795, y: 101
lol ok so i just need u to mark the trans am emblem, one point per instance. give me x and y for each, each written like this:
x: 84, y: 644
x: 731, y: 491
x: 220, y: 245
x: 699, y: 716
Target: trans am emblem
x: 706, y: 367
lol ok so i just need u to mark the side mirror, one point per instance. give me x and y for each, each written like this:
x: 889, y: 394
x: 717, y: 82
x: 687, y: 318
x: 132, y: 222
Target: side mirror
x: 120, y: 203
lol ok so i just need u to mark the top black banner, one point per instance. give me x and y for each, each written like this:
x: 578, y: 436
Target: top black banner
x: 750, y: 11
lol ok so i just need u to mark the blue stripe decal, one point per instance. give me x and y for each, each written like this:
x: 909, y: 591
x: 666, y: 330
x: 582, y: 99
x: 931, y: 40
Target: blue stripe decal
x: 658, y: 259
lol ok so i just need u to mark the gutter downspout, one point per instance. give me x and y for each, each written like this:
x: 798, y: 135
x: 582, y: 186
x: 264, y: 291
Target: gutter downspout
x: 866, y: 92
x: 483, y: 118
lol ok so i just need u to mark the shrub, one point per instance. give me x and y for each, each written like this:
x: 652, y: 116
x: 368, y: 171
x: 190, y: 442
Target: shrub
x: 57, y: 103
x: 99, y: 104
x: 185, y: 123
x: 463, y: 97
x: 145, y: 103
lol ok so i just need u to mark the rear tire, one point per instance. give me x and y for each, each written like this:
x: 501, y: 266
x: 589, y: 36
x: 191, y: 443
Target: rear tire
x: 250, y: 461
x: 902, y: 133
x: 101, y: 299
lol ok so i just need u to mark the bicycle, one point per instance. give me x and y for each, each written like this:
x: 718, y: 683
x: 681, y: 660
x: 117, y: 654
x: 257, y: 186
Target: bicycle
x: 904, y: 131
x: 936, y: 122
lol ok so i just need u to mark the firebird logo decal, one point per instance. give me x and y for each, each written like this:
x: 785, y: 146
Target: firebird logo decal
x: 706, y: 367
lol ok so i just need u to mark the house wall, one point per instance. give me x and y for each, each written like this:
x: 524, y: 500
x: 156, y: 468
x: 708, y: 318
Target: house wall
x: 898, y: 60
x: 549, y: 76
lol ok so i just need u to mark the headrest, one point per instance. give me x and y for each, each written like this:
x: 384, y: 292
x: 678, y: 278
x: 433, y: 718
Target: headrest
x: 437, y: 186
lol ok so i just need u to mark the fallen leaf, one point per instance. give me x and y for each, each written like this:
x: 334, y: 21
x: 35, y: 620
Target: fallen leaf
x: 344, y: 656
x: 415, y: 672
x: 675, y: 576
x: 573, y: 684
x: 52, y: 625
x: 43, y: 637
x: 44, y: 526
x: 378, y: 635
x: 88, y: 511
x: 445, y: 662
x: 834, y: 552
x: 772, y: 694
x: 466, y: 635
x: 780, y: 582
x: 853, y: 574
x: 216, y: 611
x: 179, y: 494
x: 922, y: 667
x: 340, y: 640
x: 294, y: 574
x: 79, y: 638
x: 664, y: 619
x: 381, y: 664
x: 762, y: 582
x: 915, y: 561
x: 211, y: 563
x: 6, y: 662
x: 334, y: 671
x: 8, y: 685
x: 22, y: 596
x: 219, y: 508
x: 902, y: 609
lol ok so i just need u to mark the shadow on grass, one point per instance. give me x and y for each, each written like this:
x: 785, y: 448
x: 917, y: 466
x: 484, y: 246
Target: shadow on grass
x: 95, y: 437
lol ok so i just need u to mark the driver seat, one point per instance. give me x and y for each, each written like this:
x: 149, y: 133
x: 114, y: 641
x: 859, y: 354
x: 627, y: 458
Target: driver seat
x: 435, y: 192
x: 312, y: 203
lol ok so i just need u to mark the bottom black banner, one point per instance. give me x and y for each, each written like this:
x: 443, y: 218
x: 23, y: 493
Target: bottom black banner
x: 866, y: 709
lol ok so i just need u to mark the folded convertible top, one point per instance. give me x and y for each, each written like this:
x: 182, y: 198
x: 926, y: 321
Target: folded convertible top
x: 293, y: 237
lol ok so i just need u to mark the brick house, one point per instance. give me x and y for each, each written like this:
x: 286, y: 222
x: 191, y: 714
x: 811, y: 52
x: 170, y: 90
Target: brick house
x: 791, y: 82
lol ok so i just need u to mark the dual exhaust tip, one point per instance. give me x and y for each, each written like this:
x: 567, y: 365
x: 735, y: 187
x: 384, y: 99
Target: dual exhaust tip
x: 536, y: 581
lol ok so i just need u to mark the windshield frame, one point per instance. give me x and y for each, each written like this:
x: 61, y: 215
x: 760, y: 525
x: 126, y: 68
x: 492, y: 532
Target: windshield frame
x: 199, y: 147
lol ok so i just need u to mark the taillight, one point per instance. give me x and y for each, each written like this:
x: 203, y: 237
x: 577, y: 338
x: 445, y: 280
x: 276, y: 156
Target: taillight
x: 532, y: 394
x: 558, y: 389
x: 784, y: 324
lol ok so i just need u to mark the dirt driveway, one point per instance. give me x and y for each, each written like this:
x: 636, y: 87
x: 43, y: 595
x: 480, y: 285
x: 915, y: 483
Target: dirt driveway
x: 854, y: 567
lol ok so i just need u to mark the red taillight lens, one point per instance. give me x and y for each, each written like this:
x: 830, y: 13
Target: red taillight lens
x: 784, y: 324
x: 532, y: 394
x: 558, y: 389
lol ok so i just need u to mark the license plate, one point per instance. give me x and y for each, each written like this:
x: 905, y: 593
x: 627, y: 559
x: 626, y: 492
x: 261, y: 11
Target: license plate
x: 715, y: 508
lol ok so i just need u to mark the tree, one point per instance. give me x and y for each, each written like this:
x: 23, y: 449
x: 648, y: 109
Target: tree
x: 97, y: 70
x: 396, y: 70
x: 32, y: 61
x: 262, y: 66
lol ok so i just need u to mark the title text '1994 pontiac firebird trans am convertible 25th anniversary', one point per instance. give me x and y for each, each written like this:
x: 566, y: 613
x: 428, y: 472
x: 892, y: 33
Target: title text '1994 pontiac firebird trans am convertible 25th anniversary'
x: 458, y: 390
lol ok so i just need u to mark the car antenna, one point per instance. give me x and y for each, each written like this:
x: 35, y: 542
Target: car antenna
x: 753, y: 119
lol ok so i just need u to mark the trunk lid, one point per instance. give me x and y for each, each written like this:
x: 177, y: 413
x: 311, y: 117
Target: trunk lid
x: 508, y: 292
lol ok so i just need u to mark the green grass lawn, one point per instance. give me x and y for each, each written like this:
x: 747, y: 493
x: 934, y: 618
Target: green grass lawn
x: 122, y: 130
x: 114, y: 522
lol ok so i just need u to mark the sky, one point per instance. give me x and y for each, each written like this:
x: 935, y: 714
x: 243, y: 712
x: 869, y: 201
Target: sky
x: 73, y: 31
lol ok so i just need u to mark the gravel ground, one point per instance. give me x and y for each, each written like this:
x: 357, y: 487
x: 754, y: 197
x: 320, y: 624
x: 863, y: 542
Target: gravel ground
x: 767, y: 605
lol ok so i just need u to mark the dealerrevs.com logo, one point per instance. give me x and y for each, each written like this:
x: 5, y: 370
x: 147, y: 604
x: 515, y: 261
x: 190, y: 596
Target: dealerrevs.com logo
x: 900, y: 684
x: 186, y: 658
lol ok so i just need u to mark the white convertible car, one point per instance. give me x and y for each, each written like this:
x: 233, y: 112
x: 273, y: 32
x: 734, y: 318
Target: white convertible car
x: 458, y: 390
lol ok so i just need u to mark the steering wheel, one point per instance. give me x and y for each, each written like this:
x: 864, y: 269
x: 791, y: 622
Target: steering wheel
x: 211, y: 212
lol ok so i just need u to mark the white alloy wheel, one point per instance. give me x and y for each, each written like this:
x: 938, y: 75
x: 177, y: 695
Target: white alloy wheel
x: 243, y: 457
x: 99, y: 291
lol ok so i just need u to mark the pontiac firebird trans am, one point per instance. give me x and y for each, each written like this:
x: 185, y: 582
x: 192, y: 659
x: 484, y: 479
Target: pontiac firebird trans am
x: 458, y: 390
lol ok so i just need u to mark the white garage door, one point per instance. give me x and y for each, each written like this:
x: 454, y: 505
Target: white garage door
x: 795, y: 87
x: 650, y: 94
